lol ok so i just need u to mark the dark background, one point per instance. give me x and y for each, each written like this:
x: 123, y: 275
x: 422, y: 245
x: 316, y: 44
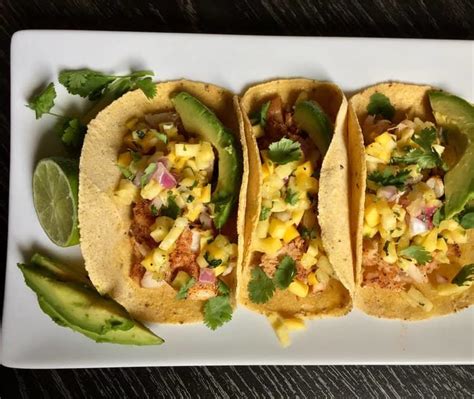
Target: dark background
x: 377, y: 18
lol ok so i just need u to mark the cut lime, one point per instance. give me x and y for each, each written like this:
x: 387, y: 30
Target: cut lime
x: 55, y: 184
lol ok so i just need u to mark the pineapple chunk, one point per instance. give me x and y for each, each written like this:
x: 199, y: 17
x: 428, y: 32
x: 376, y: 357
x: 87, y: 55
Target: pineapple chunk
x: 161, y: 228
x: 307, y: 183
x: 201, y: 261
x: 205, y: 157
x: 392, y: 253
x: 193, y: 211
x: 430, y: 241
x: 279, y: 205
x: 127, y: 192
x: 387, y: 141
x: 313, y: 248
x: 206, y: 194
x: 180, y: 280
x: 368, y: 231
x: 294, y: 323
x: 280, y: 329
x: 187, y: 150
x: 283, y: 171
x: 151, y: 190
x: 262, y: 228
x: 304, y: 169
x: 178, y: 227
x: 417, y: 299
x: 277, y: 228
x: 268, y: 245
x: 290, y: 234
x: 296, y: 216
x: 307, y: 261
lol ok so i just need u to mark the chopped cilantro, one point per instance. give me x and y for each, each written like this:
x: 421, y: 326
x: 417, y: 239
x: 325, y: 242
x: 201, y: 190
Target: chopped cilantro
x: 284, y: 151
x: 379, y: 104
x: 217, y: 311
x: 424, y: 156
x: 260, y: 117
x: 292, y: 197
x: 438, y: 216
x: 160, y: 136
x: 417, y: 253
x: 135, y: 156
x: 72, y: 132
x: 285, y: 272
x: 44, y: 101
x: 387, y: 178
x: 154, y: 210
x: 264, y: 213
x: 149, y: 170
x: 172, y: 210
x: 223, y: 288
x: 190, y: 199
x: 307, y: 233
x: 260, y: 286
x: 183, y: 291
x: 140, y: 134
x: 126, y: 172
x: 465, y: 275
x: 212, y: 262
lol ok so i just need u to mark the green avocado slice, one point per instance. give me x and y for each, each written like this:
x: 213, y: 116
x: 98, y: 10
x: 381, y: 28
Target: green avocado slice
x: 60, y: 271
x: 200, y: 120
x: 137, y: 335
x: 81, y: 308
x: 456, y: 116
x: 310, y: 117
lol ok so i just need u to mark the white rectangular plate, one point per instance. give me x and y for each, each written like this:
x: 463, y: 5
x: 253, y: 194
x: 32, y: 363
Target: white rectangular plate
x: 31, y: 340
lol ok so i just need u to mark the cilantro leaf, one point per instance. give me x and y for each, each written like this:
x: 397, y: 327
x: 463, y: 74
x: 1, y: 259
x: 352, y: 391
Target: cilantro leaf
x: 292, y: 197
x: 260, y: 116
x: 307, y: 234
x: 284, y: 151
x: 126, y: 173
x: 285, y: 272
x: 172, y: 210
x: 438, y: 216
x: 387, y: 178
x: 73, y: 132
x: 147, y: 174
x: 417, y: 253
x: 260, y: 286
x: 465, y: 275
x: 223, y: 288
x: 425, y: 156
x: 467, y: 220
x: 154, y: 210
x: 183, y: 291
x: 264, y: 213
x: 217, y: 311
x: 85, y: 82
x: 44, y: 101
x: 379, y: 104
x: 212, y: 262
x: 147, y: 86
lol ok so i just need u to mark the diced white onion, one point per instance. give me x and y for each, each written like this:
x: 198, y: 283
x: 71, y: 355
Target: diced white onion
x: 196, y: 241
x: 148, y: 281
x: 414, y: 272
x: 417, y: 226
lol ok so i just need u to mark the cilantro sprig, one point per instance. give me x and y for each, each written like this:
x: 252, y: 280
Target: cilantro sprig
x: 465, y: 276
x: 94, y: 84
x: 292, y: 197
x: 284, y: 151
x: 217, y: 311
x: 183, y: 291
x: 260, y: 116
x: 425, y: 156
x: 380, y: 104
x: 264, y: 213
x: 285, y: 273
x: 389, y: 178
x: 417, y: 253
x: 172, y: 210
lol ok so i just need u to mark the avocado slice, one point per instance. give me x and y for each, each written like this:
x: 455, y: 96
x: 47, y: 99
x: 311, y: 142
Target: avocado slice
x: 310, y: 117
x: 137, y: 335
x: 81, y: 308
x: 200, y: 120
x: 60, y: 271
x: 456, y: 116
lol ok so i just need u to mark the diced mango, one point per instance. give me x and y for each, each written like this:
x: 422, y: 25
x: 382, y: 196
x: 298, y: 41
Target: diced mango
x: 441, y: 245
x: 178, y: 227
x: 280, y: 329
x: 147, y: 262
x: 307, y: 261
x: 378, y: 151
x: 219, y: 270
x: 312, y: 280
x: 283, y: 171
x: 206, y: 194
x: 193, y: 211
x: 205, y: 157
x: 307, y: 183
x: 277, y: 228
x: 294, y: 323
x: 368, y: 231
x: 304, y: 169
x: 388, y: 220
x: 299, y: 288
x: 160, y: 258
x: 386, y: 140
x: 180, y: 280
x: 313, y: 248
x: 430, y: 241
x: 161, y: 228
x: 296, y: 216
x: 268, y: 245
x: 258, y: 131
x: 124, y: 159
x: 372, y: 217
x: 290, y: 234
x: 126, y: 192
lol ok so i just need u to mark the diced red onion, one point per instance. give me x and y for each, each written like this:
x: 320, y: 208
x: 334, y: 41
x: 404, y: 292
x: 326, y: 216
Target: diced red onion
x: 206, y: 275
x: 163, y: 176
x: 427, y: 216
x: 417, y: 226
x: 195, y: 241
x: 205, y: 220
x: 148, y: 281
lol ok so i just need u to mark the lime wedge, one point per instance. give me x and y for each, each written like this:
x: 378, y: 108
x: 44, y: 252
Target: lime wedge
x: 55, y: 184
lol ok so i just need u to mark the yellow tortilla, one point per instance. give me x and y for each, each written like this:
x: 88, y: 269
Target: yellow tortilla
x: 104, y: 223
x: 333, y: 202
x: 409, y: 101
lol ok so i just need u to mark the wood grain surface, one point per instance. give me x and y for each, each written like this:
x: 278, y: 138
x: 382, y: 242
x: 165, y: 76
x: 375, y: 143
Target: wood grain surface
x: 452, y: 19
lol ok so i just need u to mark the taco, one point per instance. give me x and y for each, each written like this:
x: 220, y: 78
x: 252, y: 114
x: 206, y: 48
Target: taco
x: 298, y: 259
x: 412, y: 162
x: 158, y: 203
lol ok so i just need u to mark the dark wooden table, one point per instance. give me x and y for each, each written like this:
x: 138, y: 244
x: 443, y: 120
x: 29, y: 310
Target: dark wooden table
x: 411, y: 18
